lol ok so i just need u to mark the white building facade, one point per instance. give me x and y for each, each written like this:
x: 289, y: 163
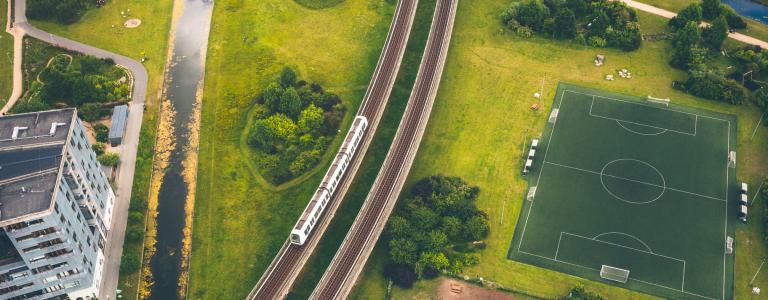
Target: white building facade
x: 55, y: 208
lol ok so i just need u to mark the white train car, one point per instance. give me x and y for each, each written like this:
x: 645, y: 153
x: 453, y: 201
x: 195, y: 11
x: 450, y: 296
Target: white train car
x: 316, y: 206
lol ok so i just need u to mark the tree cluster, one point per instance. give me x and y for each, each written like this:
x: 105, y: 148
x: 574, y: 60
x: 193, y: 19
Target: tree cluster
x: 598, y: 23
x: 712, y: 84
x: 292, y: 125
x: 62, y: 11
x: 435, y: 230
x: 709, y: 10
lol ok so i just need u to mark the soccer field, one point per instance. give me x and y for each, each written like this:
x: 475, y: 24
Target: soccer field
x: 635, y: 185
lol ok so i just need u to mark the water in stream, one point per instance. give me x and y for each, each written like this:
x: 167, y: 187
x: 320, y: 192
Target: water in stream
x: 182, y: 87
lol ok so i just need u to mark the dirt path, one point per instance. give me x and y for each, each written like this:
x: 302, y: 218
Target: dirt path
x: 451, y: 289
x: 668, y: 14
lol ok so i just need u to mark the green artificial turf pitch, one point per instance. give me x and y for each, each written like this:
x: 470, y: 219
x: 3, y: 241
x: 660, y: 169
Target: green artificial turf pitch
x: 632, y: 184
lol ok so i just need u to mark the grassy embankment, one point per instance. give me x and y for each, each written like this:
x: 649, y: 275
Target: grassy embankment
x: 95, y: 28
x: 6, y: 56
x: 240, y: 221
x: 754, y: 28
x: 319, y: 4
x: 477, y: 131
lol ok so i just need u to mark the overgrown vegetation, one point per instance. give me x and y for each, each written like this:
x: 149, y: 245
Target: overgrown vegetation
x: 291, y: 125
x: 58, y: 78
x: 319, y: 4
x: 61, y: 11
x: 579, y: 293
x: 435, y: 230
x: 693, y: 48
x: 110, y: 159
x: 598, y: 23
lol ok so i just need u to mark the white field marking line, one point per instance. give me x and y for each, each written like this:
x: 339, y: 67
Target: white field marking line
x: 622, y: 246
x: 541, y: 171
x: 640, y: 124
x: 640, y: 133
x: 625, y: 234
x: 637, y: 181
x: 559, y: 239
x: 725, y: 223
x: 757, y: 272
x: 758, y: 125
x: 757, y: 192
x: 696, y: 125
x: 663, y: 181
x: 633, y: 279
x: 643, y: 104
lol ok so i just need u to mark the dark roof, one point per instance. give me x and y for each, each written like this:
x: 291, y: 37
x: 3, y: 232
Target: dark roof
x: 29, y: 163
x: 119, y: 120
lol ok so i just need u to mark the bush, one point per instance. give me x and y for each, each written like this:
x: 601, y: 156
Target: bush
x: 102, y: 132
x: 129, y: 263
x: 62, y: 11
x: 579, y: 293
x: 596, y: 41
x: 110, y: 159
x: 98, y: 148
x: 710, y: 84
x: 134, y: 233
x: 90, y: 112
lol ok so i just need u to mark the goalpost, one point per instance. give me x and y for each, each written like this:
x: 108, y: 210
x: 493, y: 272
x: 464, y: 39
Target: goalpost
x: 663, y: 101
x: 614, y: 274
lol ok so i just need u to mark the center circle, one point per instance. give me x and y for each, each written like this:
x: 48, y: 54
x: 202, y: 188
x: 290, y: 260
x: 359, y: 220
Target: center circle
x: 633, y: 181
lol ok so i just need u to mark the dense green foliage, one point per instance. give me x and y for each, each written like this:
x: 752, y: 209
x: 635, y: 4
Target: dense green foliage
x: 62, y: 11
x: 291, y: 126
x: 433, y: 231
x: 98, y: 148
x: 598, y: 23
x: 579, y: 293
x: 57, y: 78
x: 110, y: 159
x: 319, y: 4
x: 102, y: 132
x: 712, y: 84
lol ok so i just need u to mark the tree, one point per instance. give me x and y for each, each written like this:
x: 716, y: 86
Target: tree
x: 270, y: 134
x: 288, y: 77
x: 102, y: 132
x: 311, y: 119
x: 532, y: 14
x: 403, y: 251
x: 714, y: 35
x: 304, y: 161
x: 710, y: 9
x: 98, y: 148
x: 476, y: 228
x: 565, y: 24
x: 600, y: 24
x: 290, y: 103
x: 451, y: 226
x: 579, y: 7
x: 436, y: 241
x: 399, y: 227
x: 691, y: 13
x: 129, y: 263
x: 271, y: 97
x: 431, y: 261
x: 134, y: 233
x: 735, y: 21
x: 683, y: 42
x: 110, y: 159
x: 90, y: 112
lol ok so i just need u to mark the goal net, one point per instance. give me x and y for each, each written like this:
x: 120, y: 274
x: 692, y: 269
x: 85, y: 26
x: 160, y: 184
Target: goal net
x: 553, y: 115
x: 531, y: 193
x: 732, y: 159
x: 663, y: 101
x: 614, y: 274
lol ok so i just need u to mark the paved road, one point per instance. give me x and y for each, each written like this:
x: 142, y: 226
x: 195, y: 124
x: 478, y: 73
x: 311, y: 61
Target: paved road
x: 348, y: 263
x: 114, y: 246
x: 668, y: 14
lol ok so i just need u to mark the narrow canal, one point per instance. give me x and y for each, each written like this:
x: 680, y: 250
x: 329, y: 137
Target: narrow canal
x: 183, y: 86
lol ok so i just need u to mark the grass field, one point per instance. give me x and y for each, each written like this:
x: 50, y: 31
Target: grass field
x: 95, y: 28
x: 240, y: 221
x: 472, y: 120
x: 633, y: 185
x: 6, y: 56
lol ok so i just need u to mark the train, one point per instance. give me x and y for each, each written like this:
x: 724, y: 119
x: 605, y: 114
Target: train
x: 324, y: 192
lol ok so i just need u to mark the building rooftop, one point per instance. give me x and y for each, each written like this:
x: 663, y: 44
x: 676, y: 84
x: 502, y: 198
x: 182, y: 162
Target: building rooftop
x: 31, y: 148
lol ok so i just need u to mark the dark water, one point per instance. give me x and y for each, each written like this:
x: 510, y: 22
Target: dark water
x: 749, y: 9
x: 186, y: 72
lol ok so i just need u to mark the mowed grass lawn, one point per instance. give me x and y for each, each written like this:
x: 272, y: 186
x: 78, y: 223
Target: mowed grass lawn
x: 482, y: 118
x: 95, y: 28
x: 241, y: 222
x: 6, y: 56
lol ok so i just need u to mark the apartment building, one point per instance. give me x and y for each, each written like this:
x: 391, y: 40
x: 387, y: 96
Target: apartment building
x: 55, y: 208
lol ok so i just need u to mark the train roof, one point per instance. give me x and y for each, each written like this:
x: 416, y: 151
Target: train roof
x: 316, y: 198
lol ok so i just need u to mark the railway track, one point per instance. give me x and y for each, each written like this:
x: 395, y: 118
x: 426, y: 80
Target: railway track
x: 277, y: 280
x: 350, y: 259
